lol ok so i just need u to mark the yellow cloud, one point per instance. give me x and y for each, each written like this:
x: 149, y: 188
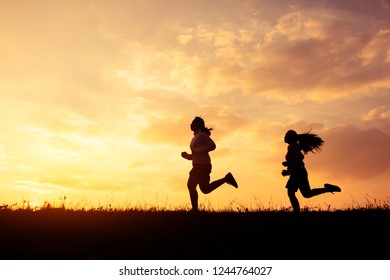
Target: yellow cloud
x: 377, y: 48
x: 185, y: 38
x: 385, y: 116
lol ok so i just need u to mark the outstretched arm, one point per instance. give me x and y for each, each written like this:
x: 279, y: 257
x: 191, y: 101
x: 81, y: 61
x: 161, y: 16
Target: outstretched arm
x: 186, y: 155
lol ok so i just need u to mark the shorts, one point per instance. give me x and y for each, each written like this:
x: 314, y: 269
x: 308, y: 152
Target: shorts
x: 200, y: 174
x: 298, y: 180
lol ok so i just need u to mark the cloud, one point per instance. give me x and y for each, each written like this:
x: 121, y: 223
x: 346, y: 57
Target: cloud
x: 322, y: 59
x: 354, y: 153
x: 377, y: 49
x: 316, y: 51
x: 184, y: 39
x: 378, y: 117
x: 165, y: 132
x: 385, y: 116
x: 379, y: 114
x: 224, y: 119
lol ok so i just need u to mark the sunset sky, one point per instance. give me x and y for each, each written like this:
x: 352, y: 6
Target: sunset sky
x: 96, y: 99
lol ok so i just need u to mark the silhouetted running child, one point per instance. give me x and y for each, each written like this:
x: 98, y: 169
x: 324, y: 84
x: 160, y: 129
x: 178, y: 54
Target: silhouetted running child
x: 200, y: 146
x: 306, y: 142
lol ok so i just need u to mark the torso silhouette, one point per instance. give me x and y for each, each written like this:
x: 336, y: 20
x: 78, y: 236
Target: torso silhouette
x: 294, y: 157
x: 200, y: 146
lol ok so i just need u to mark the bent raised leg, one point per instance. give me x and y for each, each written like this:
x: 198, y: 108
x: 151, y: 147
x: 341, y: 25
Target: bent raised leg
x: 307, y: 192
x: 207, y: 187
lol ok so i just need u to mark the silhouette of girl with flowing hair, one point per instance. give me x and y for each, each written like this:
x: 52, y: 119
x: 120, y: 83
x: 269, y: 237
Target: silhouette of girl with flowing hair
x: 298, y: 143
x: 200, y: 146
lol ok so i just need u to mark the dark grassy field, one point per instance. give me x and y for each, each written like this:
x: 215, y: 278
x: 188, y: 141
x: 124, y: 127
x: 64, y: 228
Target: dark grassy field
x: 65, y: 234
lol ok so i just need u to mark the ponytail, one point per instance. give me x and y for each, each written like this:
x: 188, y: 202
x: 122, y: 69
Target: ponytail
x: 310, y: 142
x: 206, y: 130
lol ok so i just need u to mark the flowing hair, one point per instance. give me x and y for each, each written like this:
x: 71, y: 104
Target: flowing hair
x: 310, y: 142
x: 200, y: 122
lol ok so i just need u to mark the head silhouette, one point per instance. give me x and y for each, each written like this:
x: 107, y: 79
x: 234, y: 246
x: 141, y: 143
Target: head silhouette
x: 291, y: 137
x: 198, y: 124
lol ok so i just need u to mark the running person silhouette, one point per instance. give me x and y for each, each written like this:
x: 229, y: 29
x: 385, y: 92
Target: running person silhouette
x: 306, y: 142
x: 200, y: 146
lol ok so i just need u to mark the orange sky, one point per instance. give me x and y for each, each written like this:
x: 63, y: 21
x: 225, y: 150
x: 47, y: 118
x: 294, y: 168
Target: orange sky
x: 96, y: 98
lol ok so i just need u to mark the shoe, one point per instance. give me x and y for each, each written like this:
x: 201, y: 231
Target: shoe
x: 332, y: 188
x: 230, y: 180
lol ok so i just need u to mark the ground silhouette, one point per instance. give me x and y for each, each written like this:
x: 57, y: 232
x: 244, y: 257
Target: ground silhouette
x: 77, y: 235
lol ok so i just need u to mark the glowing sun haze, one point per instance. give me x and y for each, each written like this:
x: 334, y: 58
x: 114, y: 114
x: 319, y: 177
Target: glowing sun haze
x: 96, y: 98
